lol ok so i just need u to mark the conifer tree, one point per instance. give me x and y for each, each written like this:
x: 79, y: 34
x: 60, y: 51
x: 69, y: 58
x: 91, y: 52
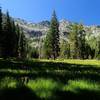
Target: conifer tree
x: 23, y: 45
x: 52, y: 38
x: 18, y: 48
x: 0, y: 32
x: 97, y: 49
x: 0, y: 22
x: 6, y: 36
x: 77, y: 42
x: 14, y: 37
x: 81, y: 42
x: 74, y: 49
x: 9, y: 37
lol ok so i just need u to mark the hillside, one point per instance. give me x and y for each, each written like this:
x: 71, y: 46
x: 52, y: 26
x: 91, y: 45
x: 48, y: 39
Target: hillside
x: 37, y: 31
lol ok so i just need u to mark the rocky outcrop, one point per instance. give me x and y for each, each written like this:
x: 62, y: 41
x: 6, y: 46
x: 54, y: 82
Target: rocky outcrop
x: 37, y: 31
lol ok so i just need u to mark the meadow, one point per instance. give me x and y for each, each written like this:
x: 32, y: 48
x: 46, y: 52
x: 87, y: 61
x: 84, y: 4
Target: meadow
x: 50, y: 80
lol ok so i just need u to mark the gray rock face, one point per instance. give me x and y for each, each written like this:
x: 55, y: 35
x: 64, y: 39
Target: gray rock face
x: 39, y: 30
x: 33, y: 29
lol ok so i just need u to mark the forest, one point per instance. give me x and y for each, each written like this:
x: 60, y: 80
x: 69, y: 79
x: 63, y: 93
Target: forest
x: 14, y: 43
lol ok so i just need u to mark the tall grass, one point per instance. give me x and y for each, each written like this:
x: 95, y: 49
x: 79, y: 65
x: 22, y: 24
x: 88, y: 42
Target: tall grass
x: 8, y: 82
x: 52, y: 78
x: 76, y: 85
x: 44, y: 88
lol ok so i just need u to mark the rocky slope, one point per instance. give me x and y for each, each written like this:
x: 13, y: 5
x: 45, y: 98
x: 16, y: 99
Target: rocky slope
x: 37, y: 31
x: 33, y: 29
x: 42, y: 27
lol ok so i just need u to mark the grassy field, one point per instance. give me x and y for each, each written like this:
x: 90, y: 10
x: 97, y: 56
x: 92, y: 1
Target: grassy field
x: 50, y: 80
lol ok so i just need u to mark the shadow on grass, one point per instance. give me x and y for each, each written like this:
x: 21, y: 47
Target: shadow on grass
x: 36, y: 65
x: 24, y: 93
x: 57, y: 71
x: 80, y: 95
x: 20, y: 93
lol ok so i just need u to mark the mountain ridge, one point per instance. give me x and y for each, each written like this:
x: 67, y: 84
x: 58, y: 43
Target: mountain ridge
x: 43, y: 26
x: 36, y: 32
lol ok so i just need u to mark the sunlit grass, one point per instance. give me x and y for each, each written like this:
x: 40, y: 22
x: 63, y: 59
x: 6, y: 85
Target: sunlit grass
x: 83, y: 62
x: 8, y: 82
x: 44, y: 88
x: 72, y: 61
x: 48, y: 78
x: 76, y: 85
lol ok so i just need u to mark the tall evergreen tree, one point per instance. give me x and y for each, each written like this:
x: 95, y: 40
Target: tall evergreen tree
x: 77, y: 42
x: 0, y: 31
x: 0, y: 22
x: 97, y: 48
x: 14, y: 40
x: 81, y: 42
x: 74, y: 49
x: 9, y: 37
x: 18, y: 41
x: 52, y: 38
x: 23, y: 45
x: 6, y: 36
x: 48, y: 45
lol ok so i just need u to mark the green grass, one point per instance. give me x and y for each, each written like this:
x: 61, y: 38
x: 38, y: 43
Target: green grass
x: 8, y: 82
x: 76, y: 85
x: 73, y: 61
x: 44, y: 88
x: 52, y: 80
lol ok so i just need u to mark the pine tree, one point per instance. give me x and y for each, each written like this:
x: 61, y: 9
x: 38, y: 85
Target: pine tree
x: 48, y: 45
x: 0, y: 22
x: 81, y: 42
x: 97, y: 48
x: 14, y: 40
x: 73, y: 38
x: 6, y: 36
x: 23, y: 45
x: 52, y: 38
x: 9, y: 37
x: 18, y: 41
x: 0, y: 32
x: 77, y: 42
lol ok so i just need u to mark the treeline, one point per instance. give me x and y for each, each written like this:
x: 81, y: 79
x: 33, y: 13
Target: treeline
x: 12, y: 39
x: 76, y: 46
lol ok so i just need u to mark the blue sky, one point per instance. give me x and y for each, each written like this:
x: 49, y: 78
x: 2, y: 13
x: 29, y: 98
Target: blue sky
x: 85, y: 11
